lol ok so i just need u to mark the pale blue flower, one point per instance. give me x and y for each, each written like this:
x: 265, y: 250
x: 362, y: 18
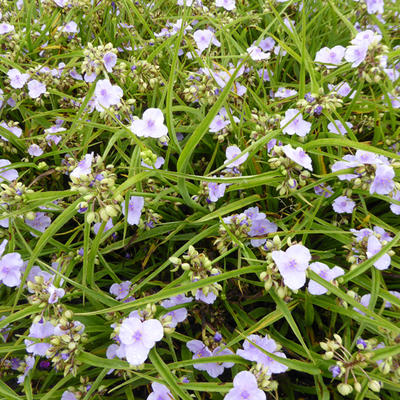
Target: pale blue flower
x: 245, y: 387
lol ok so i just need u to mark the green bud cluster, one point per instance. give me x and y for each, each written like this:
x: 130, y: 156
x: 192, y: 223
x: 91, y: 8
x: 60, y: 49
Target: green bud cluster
x: 145, y: 75
x: 98, y: 194
x: 64, y: 349
x: 263, y: 377
x: 93, y: 62
x: 239, y: 226
x: 199, y: 267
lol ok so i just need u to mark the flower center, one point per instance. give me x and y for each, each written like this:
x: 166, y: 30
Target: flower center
x: 292, y: 264
x: 137, y: 336
x: 245, y: 394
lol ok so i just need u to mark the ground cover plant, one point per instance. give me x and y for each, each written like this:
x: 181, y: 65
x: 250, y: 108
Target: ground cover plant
x: 199, y: 199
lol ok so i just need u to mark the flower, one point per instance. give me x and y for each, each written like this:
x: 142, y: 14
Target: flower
x: 283, y: 93
x: 160, y: 392
x: 67, y: 395
x: 293, y: 265
x: 15, y: 130
x: 40, y: 223
x: 34, y: 150
x: 383, y: 182
x: 229, y: 5
x: 252, y: 353
x: 395, y: 208
x: 343, y: 89
x: 151, y: 124
x: 5, y: 28
x: 338, y: 128
x: 120, y: 290
x: 109, y: 61
x: 374, y: 247
x: 17, y: 79
x: 40, y: 330
x: 215, y: 191
x: 332, y: 57
x: 293, y: 123
x: 137, y: 338
x: 324, y: 272
x: 257, y: 54
x: 180, y: 314
x: 298, y: 155
x: 36, y: 88
x: 356, y: 54
x: 323, y: 190
x: 374, y: 6
x: 96, y: 227
x: 204, y: 38
x: 106, y: 95
x: 245, y: 387
x: 10, y: 267
x: 134, y: 208
x: 84, y: 167
x: 232, y: 152
x: 6, y: 173
x: 208, y: 299
x: 54, y: 294
x: 200, y: 350
x: 29, y: 363
x: 343, y: 204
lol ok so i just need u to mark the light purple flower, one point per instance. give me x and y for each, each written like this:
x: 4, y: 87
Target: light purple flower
x: 245, y: 387
x: 232, y: 152
x: 151, y: 124
x: 6, y: 28
x: 209, y: 299
x: 36, y: 88
x: 375, y: 6
x: 157, y: 164
x: 293, y: 123
x: 200, y: 350
x: 34, y: 150
x: 257, y: 54
x: 109, y: 60
x: 366, y: 38
x: 204, y: 38
x: 96, y: 227
x: 106, y: 94
x: 15, y: 130
x: 356, y: 54
x: 70, y: 27
x: 160, y: 392
x: 395, y: 208
x: 343, y: 89
x: 218, y: 123
x: 331, y: 57
x: 138, y: 338
x: 261, y: 227
x: 135, y: 207
x: 229, y: 5
x: 324, y: 272
x: 17, y: 79
x: 120, y: 290
x: 67, y: 395
x: 383, y: 182
x: 374, y: 247
x: 40, y: 330
x: 298, y: 155
x: 293, y: 264
x: 338, y: 128
x: 323, y: 190
x: 283, y: 93
x: 267, y: 44
x: 180, y: 314
x: 40, y: 223
x: 7, y: 173
x: 215, y: 191
x: 54, y: 294
x: 252, y: 353
x: 29, y: 364
x: 10, y: 267
x: 343, y: 204
x: 84, y: 167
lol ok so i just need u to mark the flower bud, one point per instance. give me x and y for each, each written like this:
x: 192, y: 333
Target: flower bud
x: 344, y: 389
x: 374, y: 386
